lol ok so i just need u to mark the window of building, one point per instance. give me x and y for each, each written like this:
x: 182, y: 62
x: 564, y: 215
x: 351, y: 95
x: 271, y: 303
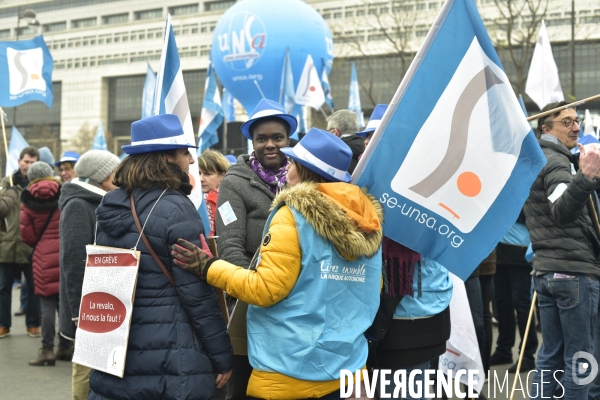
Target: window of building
x: 207, y: 26
x: 360, y: 13
x: 349, y: 14
x: 82, y: 23
x: 204, y: 50
x: 372, y: 11
x: 218, y: 5
x: 409, y: 7
x: 115, y: 19
x: 56, y: 26
x: 337, y: 15
x: 433, y: 6
x: 384, y: 10
x: 421, y: 6
x: 27, y: 30
x: 327, y: 16
x: 4, y: 33
x: 148, y: 14
x: 104, y: 39
x: 185, y: 9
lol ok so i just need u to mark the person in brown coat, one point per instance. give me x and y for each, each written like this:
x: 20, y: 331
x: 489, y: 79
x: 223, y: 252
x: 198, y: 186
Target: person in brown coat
x: 40, y: 218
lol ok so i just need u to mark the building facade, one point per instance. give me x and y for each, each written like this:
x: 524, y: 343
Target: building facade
x: 101, y: 49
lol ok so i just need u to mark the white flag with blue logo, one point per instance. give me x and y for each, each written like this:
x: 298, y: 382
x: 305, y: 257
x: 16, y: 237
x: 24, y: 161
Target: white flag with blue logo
x: 228, y: 107
x: 170, y: 97
x: 148, y: 94
x: 17, y: 144
x: 354, y: 97
x: 26, y: 70
x: 286, y: 87
x: 99, y: 139
x: 309, y: 91
x: 454, y: 156
x: 588, y: 126
x: 326, y: 88
x: 211, y: 116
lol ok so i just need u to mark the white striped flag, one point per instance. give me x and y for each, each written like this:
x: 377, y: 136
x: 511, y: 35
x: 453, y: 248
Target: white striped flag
x: 211, y: 116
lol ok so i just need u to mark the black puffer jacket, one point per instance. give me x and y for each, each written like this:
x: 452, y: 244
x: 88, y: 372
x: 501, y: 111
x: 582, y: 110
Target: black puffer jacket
x: 561, y: 230
x: 177, y: 338
x: 357, y: 145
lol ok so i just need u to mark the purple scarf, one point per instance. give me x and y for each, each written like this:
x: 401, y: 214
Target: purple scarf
x: 275, y: 180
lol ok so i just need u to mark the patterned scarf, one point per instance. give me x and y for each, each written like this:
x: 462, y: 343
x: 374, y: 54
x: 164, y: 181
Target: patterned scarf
x: 275, y: 180
x: 399, y: 269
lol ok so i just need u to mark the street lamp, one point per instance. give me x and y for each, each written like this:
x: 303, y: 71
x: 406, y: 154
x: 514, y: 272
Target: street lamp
x: 28, y: 15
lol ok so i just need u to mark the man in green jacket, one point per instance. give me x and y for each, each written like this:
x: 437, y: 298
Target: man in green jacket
x: 14, y: 254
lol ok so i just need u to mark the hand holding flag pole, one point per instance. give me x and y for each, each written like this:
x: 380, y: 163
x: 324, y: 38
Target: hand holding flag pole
x: 2, y: 117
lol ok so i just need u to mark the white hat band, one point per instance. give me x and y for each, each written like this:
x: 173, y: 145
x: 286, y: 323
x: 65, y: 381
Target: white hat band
x: 305, y: 155
x: 265, y: 113
x: 373, y: 124
x: 179, y: 140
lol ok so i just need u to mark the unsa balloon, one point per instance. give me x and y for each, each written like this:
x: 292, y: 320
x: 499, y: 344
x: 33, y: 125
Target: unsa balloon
x: 250, y: 42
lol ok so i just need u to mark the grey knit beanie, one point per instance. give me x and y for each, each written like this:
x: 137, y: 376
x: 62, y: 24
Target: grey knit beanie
x: 46, y: 156
x: 96, y: 165
x: 39, y: 169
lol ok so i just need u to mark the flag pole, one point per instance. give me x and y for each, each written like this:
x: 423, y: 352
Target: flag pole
x: 323, y: 112
x: 5, y: 144
x: 259, y: 89
x: 559, y: 109
x: 524, y: 341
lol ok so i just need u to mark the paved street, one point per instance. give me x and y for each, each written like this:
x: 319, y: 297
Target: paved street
x: 20, y: 381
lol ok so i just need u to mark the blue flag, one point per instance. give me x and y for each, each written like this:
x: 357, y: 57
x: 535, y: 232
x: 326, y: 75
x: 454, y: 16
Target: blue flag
x: 228, y: 108
x: 211, y: 116
x: 454, y: 156
x: 26, y: 70
x: 298, y: 112
x: 17, y: 144
x: 170, y: 97
x: 327, y: 88
x: 99, y: 139
x: 287, y: 92
x: 148, y: 94
x: 522, y: 104
x: 354, y: 99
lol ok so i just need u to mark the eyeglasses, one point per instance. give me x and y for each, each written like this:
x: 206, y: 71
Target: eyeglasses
x: 567, y: 122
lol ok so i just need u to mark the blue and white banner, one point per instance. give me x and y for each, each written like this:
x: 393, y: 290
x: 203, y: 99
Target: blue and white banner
x: 170, y: 97
x: 211, y: 116
x: 26, y: 70
x: 354, y: 97
x: 286, y: 90
x: 99, y: 139
x: 454, y: 157
x: 147, y: 96
x: 228, y: 106
x: 16, y: 146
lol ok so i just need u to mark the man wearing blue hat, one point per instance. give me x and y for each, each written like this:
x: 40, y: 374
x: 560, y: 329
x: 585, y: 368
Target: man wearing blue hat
x: 66, y: 165
x: 374, y: 123
x: 344, y: 124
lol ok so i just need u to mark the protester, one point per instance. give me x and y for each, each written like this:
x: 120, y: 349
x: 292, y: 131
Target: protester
x: 66, y: 165
x: 178, y: 337
x: 213, y: 166
x: 245, y: 197
x: 14, y: 254
x: 78, y: 202
x: 344, y: 124
x: 565, y: 266
x: 39, y: 229
x: 512, y: 286
x: 320, y: 227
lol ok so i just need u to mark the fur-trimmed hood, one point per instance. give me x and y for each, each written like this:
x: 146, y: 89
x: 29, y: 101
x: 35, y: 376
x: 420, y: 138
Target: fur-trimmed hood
x: 342, y: 213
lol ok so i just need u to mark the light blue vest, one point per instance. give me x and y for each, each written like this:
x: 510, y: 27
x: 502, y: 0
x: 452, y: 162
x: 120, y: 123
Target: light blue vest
x: 436, y: 288
x: 517, y: 235
x: 317, y: 330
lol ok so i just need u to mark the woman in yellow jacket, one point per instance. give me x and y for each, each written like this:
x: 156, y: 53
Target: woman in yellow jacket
x: 313, y: 288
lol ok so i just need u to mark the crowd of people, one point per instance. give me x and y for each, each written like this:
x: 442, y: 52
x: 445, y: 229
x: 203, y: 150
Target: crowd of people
x: 304, y: 249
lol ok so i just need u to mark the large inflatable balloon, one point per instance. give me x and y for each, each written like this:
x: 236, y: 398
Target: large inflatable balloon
x: 250, y: 42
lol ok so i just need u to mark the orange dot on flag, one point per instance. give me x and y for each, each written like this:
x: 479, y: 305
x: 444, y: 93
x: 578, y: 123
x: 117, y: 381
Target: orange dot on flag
x: 469, y: 184
x: 35, y: 76
x: 312, y: 89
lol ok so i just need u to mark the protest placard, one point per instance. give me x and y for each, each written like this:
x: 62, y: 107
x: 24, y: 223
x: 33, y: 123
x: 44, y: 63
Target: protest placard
x: 106, y: 307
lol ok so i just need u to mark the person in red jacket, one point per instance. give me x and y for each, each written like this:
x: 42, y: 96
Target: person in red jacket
x: 40, y: 218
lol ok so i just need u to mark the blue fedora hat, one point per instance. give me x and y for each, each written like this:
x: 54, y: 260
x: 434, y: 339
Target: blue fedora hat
x: 157, y: 133
x: 268, y: 108
x: 323, y: 153
x: 375, y: 119
x: 68, y: 156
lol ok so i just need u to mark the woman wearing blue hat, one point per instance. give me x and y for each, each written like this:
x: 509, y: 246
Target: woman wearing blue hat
x: 177, y: 339
x: 245, y: 197
x: 313, y: 288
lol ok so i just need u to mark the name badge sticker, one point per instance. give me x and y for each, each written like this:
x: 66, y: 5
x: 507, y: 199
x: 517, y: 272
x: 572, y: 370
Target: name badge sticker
x: 227, y: 214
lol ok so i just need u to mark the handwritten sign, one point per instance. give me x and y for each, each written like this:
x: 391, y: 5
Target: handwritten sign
x: 106, y: 307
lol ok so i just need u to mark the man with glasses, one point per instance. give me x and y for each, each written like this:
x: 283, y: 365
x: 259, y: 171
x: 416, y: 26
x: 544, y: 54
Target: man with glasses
x: 566, y: 267
x: 344, y: 124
